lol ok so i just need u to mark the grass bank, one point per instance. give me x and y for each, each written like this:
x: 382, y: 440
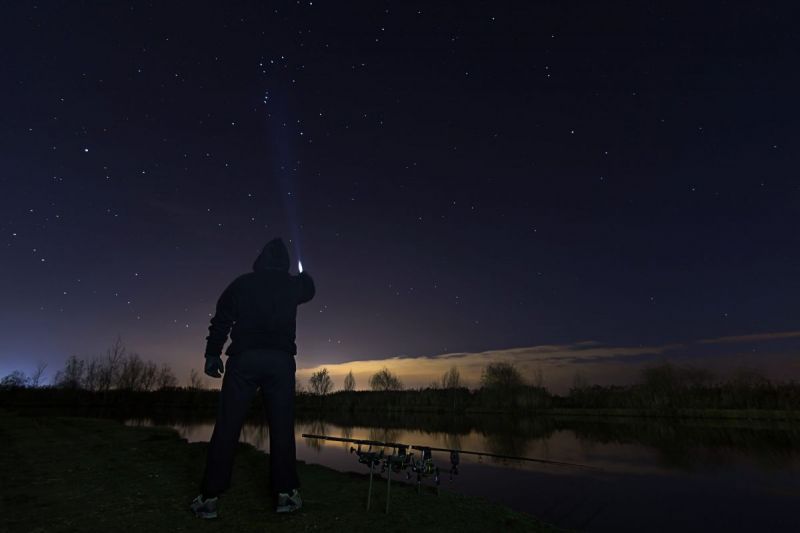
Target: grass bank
x: 84, y: 474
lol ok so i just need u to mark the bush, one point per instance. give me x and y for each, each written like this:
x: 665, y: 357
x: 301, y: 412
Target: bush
x: 320, y: 382
x: 384, y: 380
x: 15, y: 380
x: 349, y: 382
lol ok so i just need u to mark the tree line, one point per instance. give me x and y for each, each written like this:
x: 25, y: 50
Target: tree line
x: 494, y: 375
x: 117, y: 369
x: 503, y: 386
x: 663, y: 387
x: 320, y: 382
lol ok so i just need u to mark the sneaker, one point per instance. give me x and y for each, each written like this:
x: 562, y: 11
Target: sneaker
x: 289, y: 503
x: 204, y: 508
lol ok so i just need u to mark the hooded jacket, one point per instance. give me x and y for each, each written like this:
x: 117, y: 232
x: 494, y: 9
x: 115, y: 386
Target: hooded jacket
x: 259, y: 308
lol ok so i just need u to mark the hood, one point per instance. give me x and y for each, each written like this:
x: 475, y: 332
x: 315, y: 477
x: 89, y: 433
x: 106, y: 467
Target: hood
x: 274, y: 256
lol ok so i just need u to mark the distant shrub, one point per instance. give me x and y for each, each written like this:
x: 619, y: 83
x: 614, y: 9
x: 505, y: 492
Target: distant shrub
x: 320, y: 382
x: 349, y: 382
x: 385, y: 380
x: 451, y: 379
x: 501, y: 375
x: 15, y: 380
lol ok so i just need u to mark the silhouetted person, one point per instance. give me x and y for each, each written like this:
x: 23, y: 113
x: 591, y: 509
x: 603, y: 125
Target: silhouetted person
x: 261, y: 307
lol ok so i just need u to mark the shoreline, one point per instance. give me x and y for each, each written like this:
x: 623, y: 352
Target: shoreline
x: 89, y: 474
x: 206, y: 411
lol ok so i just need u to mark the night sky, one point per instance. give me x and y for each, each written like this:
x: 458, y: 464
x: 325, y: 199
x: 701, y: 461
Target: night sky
x: 578, y: 187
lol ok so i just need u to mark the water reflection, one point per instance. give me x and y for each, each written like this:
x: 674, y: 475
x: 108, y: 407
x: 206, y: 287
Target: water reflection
x: 383, y: 435
x: 453, y: 440
x: 256, y: 434
x: 347, y: 432
x: 316, y: 427
x: 664, y: 445
x: 656, y: 474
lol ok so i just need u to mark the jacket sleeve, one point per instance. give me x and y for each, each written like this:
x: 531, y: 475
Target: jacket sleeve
x: 307, y: 289
x: 221, y: 322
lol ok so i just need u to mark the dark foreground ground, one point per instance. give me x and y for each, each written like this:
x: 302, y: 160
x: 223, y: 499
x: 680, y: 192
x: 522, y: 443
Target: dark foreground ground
x: 84, y: 474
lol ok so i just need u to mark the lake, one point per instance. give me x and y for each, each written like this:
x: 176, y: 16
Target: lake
x: 646, y: 475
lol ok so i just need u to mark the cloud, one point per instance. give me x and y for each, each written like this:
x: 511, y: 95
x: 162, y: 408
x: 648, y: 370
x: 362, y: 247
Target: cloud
x: 559, y: 363
x: 420, y: 371
x: 756, y: 337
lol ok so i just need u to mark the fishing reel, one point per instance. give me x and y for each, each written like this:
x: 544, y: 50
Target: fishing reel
x: 424, y: 467
x: 401, y: 460
x: 369, y: 458
x: 397, y: 462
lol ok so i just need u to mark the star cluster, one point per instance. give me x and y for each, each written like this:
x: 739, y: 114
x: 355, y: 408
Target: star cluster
x: 456, y: 176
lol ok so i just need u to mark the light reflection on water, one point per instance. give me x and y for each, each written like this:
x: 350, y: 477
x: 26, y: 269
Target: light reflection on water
x: 666, y: 480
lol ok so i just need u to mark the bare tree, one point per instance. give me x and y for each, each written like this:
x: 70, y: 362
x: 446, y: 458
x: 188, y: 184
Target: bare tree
x: 196, y: 381
x: 72, y: 376
x: 320, y: 382
x: 349, y: 382
x: 501, y: 376
x: 131, y: 373
x: 385, y: 380
x: 502, y: 381
x: 36, y: 377
x: 91, y: 379
x: 118, y: 369
x: 15, y: 380
x: 451, y: 379
x: 165, y: 378
x: 109, y: 370
x: 149, y: 375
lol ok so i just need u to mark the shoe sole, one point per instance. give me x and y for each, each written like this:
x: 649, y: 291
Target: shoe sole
x: 288, y: 508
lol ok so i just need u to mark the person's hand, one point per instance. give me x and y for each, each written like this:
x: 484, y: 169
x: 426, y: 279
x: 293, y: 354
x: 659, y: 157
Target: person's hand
x: 214, y: 367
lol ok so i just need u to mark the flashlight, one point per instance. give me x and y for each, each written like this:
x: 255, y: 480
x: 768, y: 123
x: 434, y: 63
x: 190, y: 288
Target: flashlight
x: 300, y: 266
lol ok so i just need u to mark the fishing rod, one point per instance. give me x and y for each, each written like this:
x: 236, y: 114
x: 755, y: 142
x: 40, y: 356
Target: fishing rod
x: 451, y: 450
x: 401, y: 459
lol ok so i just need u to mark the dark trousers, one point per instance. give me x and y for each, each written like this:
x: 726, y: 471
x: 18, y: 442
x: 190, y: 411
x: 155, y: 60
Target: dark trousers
x: 272, y: 371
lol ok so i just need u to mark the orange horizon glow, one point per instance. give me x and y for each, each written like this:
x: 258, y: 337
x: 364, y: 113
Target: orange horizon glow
x: 558, y: 365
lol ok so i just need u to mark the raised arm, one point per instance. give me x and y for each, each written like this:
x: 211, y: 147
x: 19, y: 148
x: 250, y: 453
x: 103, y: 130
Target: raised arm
x: 307, y: 289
